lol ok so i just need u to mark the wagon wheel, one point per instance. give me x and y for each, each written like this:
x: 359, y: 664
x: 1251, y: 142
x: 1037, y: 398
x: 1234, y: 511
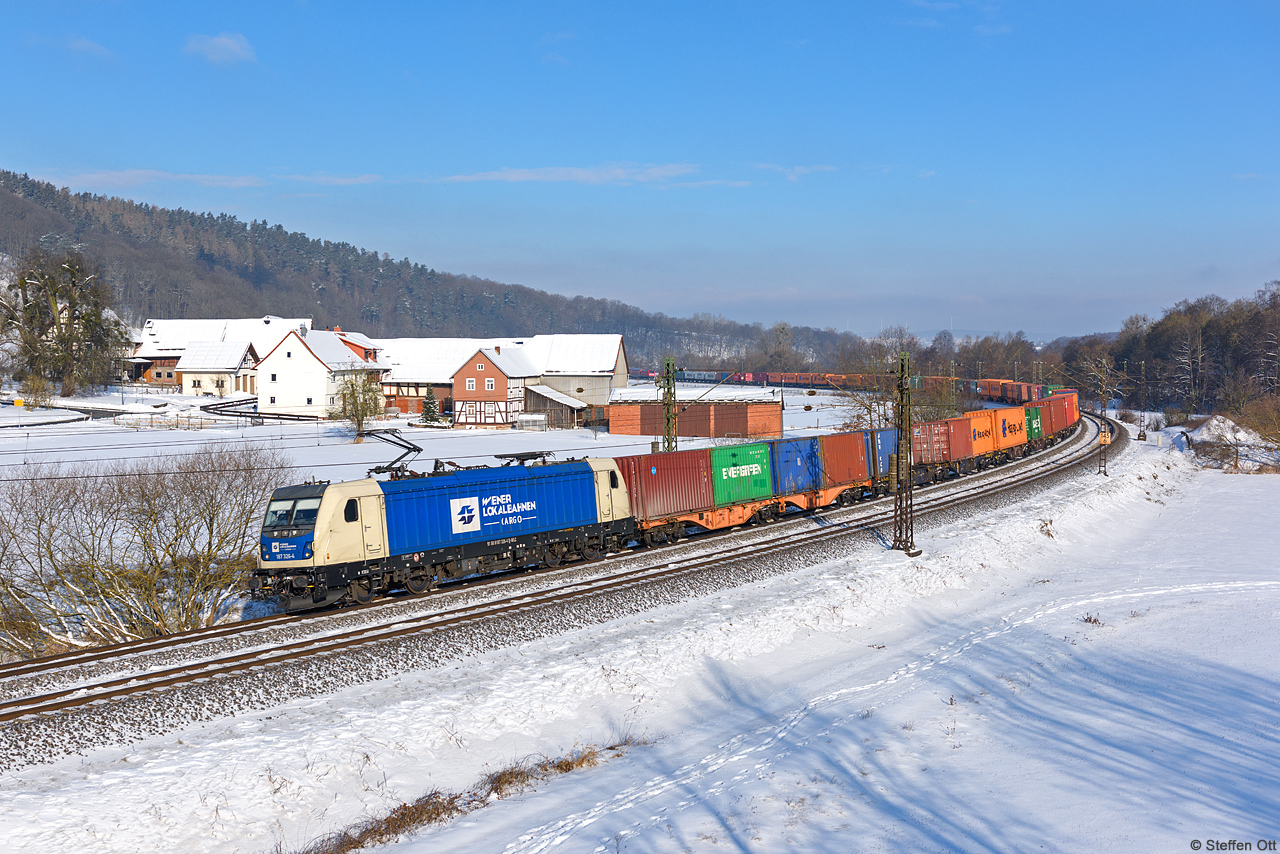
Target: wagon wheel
x: 591, y: 554
x: 418, y: 581
x: 551, y: 557
x: 361, y: 591
x: 677, y: 533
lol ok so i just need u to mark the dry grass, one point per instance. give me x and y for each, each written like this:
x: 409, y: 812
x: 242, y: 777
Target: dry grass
x: 439, y: 807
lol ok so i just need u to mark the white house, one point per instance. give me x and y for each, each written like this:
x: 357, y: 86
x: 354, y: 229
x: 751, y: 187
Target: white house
x: 218, y: 367
x: 161, y: 342
x: 301, y: 375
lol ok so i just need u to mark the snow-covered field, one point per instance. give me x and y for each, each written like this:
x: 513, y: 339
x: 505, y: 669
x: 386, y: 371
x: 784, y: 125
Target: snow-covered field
x: 1096, y: 669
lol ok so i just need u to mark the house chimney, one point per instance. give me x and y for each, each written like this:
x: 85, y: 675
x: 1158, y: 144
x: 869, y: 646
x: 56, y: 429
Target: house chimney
x: 337, y: 329
x: 498, y: 350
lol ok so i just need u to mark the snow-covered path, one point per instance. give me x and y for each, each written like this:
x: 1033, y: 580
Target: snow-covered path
x: 958, y: 701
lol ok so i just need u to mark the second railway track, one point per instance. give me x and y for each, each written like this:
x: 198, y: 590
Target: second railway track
x: 670, y: 562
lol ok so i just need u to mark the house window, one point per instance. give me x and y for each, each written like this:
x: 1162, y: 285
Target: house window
x: 488, y: 383
x: 273, y: 377
x: 170, y: 374
x: 308, y: 402
x: 331, y: 403
x: 195, y: 383
x: 219, y: 383
x: 471, y: 383
x: 288, y: 354
x: 273, y: 400
x: 479, y: 366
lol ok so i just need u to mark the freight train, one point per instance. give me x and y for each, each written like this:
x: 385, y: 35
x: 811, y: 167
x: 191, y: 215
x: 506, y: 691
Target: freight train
x: 324, y: 543
x: 1000, y: 391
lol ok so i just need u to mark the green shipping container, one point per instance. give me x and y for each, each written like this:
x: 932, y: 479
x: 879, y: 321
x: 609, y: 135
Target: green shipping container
x: 741, y: 473
x: 1034, y: 429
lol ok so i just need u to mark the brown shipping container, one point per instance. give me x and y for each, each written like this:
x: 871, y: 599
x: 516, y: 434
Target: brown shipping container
x: 929, y: 442
x: 844, y: 458
x: 673, y: 484
x: 982, y: 429
x: 959, y: 439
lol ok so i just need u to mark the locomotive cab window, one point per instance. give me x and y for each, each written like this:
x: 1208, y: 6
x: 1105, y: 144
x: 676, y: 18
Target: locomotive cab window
x: 289, y: 513
x: 613, y: 480
x: 351, y: 512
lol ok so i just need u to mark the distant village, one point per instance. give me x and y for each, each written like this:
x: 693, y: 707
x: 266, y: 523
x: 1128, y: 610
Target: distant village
x: 543, y: 381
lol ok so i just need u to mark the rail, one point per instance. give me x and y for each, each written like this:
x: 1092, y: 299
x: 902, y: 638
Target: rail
x: 1081, y: 448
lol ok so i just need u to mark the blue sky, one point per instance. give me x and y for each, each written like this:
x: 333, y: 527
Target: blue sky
x: 1045, y: 166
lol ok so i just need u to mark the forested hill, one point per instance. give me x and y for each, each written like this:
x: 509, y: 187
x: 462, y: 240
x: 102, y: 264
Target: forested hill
x: 176, y: 263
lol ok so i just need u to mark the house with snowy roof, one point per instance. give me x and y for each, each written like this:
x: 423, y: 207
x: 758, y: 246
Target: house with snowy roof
x: 218, y: 368
x: 489, y: 382
x: 302, y: 374
x: 160, y: 343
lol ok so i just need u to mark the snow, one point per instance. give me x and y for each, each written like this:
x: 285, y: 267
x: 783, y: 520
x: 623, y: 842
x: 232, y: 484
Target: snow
x: 958, y: 701
x: 1221, y: 429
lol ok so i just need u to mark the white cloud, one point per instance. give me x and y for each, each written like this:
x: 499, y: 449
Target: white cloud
x: 83, y: 45
x: 927, y: 173
x: 332, y: 180
x: 124, y: 178
x: 713, y: 183
x: 795, y: 173
x: 222, y: 49
x: 613, y: 174
x: 553, y: 58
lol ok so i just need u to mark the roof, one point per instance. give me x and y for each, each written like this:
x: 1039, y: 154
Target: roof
x: 436, y: 360
x: 161, y: 338
x: 513, y: 362
x: 215, y: 355
x: 650, y: 394
x: 329, y: 348
x: 557, y: 396
x: 575, y: 355
x: 430, y: 360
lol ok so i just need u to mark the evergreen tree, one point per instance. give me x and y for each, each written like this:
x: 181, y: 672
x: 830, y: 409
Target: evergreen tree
x: 430, y: 406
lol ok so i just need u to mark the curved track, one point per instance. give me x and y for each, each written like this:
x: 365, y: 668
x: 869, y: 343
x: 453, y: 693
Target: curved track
x: 672, y: 561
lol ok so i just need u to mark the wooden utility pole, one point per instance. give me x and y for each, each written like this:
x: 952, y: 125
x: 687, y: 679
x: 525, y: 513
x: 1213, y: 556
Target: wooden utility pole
x: 900, y: 477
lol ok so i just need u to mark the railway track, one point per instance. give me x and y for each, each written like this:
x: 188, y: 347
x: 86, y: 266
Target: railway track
x: 670, y: 562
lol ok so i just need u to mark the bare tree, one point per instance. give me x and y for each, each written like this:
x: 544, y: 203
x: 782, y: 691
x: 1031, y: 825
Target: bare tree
x: 359, y: 399
x: 100, y: 553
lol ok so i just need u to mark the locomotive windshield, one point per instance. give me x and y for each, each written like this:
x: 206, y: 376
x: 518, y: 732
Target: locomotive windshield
x: 290, y: 513
x: 292, y: 510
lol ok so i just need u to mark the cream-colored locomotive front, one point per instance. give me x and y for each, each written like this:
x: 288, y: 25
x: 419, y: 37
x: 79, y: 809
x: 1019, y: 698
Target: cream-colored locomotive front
x: 323, y: 542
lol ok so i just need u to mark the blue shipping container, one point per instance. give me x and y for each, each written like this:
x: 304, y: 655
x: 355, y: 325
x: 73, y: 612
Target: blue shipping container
x: 797, y: 466
x: 487, y: 504
x: 880, y: 444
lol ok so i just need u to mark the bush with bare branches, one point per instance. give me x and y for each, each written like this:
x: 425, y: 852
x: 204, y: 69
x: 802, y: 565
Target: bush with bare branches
x: 95, y: 553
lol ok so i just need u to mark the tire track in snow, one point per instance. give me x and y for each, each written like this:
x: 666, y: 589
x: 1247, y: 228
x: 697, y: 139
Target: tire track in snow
x: 749, y: 745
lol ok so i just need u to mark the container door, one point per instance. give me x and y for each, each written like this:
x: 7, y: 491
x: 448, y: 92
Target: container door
x: 371, y: 524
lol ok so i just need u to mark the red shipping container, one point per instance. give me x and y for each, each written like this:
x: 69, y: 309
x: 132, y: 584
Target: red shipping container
x: 1059, y: 413
x: 662, y: 485
x: 844, y: 458
x: 959, y: 439
x: 929, y: 443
